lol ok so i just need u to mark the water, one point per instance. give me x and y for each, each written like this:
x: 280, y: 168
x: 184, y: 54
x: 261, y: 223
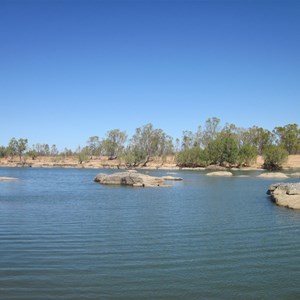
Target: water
x: 62, y: 236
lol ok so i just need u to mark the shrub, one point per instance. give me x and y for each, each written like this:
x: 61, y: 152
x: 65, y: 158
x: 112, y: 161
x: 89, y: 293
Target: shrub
x: 194, y: 157
x: 274, y: 157
x: 247, y: 155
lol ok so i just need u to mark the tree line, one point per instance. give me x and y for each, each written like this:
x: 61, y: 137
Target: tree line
x: 211, y: 144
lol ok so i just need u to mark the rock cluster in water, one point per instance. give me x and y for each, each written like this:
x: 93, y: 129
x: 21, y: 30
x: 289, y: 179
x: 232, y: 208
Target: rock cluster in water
x: 133, y: 178
x: 286, y: 194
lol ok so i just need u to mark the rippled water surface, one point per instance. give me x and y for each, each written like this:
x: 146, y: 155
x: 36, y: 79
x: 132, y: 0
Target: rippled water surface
x: 62, y: 236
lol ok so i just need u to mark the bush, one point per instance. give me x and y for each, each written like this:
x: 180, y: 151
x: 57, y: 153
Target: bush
x: 247, y: 155
x: 223, y: 150
x: 191, y: 158
x: 274, y: 157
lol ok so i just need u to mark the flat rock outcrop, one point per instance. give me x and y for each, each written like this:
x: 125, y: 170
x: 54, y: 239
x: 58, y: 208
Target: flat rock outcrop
x: 219, y: 173
x: 130, y: 178
x: 285, y: 194
x: 272, y: 175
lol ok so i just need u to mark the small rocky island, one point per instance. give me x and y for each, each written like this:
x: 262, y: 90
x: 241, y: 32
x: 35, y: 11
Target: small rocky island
x: 285, y: 194
x: 133, y: 178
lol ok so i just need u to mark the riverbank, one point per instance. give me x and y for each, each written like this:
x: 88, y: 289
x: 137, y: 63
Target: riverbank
x: 104, y: 162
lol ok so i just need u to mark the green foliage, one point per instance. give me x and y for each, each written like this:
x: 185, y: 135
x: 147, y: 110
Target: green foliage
x: 258, y: 137
x: 247, y: 155
x: 113, y: 145
x: 274, y: 157
x: 222, y: 151
x: 21, y: 147
x: 152, y: 142
x: 288, y: 137
x: 3, y: 152
x: 17, y: 147
x: 194, y: 157
x: 94, y: 146
x: 32, y: 153
x: 83, y: 154
x: 12, y: 148
x: 133, y: 156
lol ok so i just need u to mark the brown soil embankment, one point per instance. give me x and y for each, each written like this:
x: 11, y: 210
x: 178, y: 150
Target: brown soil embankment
x: 169, y: 162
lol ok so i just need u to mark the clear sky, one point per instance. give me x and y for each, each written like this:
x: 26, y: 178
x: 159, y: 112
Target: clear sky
x: 73, y: 69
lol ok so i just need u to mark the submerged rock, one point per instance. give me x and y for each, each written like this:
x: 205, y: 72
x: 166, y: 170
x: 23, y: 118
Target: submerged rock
x: 285, y: 194
x: 219, y: 173
x: 272, y: 175
x: 130, y: 178
x: 297, y: 174
x: 172, y: 178
x: 7, y: 178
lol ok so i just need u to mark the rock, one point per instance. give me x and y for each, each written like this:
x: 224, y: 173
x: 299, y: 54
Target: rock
x: 285, y: 194
x: 272, y: 175
x: 172, y: 178
x: 7, y: 178
x: 297, y: 174
x: 219, y: 173
x: 130, y: 178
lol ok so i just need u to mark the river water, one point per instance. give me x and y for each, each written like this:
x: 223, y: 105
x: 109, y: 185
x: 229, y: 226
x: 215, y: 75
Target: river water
x: 62, y: 236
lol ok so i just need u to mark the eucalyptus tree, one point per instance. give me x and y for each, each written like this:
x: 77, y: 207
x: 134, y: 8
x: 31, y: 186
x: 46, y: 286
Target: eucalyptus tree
x: 288, y: 137
x: 21, y: 147
x: 114, y: 142
x: 94, y: 146
x: 258, y: 137
x: 3, y: 151
x: 17, y: 147
x: 211, y: 131
x: 12, y: 148
x: 188, y: 140
x: 149, y: 142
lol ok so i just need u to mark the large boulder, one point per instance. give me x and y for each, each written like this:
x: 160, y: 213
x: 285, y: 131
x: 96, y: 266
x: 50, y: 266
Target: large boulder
x: 130, y: 178
x: 285, y: 194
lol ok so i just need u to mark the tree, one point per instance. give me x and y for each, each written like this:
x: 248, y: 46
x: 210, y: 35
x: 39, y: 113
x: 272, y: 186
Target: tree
x: 211, y: 131
x: 21, y: 147
x: 114, y: 142
x: 258, y: 137
x: 82, y: 154
x: 3, y: 151
x: 151, y: 142
x: 247, y: 155
x: 288, y: 137
x: 12, y: 148
x: 188, y: 140
x: 274, y: 156
x: 54, y: 150
x: 191, y: 158
x: 94, y: 146
x: 223, y: 150
x: 32, y: 153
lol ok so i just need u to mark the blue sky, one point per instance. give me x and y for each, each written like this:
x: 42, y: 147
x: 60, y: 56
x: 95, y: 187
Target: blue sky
x: 73, y: 69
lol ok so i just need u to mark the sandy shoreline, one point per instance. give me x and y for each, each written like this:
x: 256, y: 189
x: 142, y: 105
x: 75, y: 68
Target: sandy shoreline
x: 169, y: 163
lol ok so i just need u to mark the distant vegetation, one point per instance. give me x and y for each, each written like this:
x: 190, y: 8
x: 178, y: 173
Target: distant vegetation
x: 211, y: 144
